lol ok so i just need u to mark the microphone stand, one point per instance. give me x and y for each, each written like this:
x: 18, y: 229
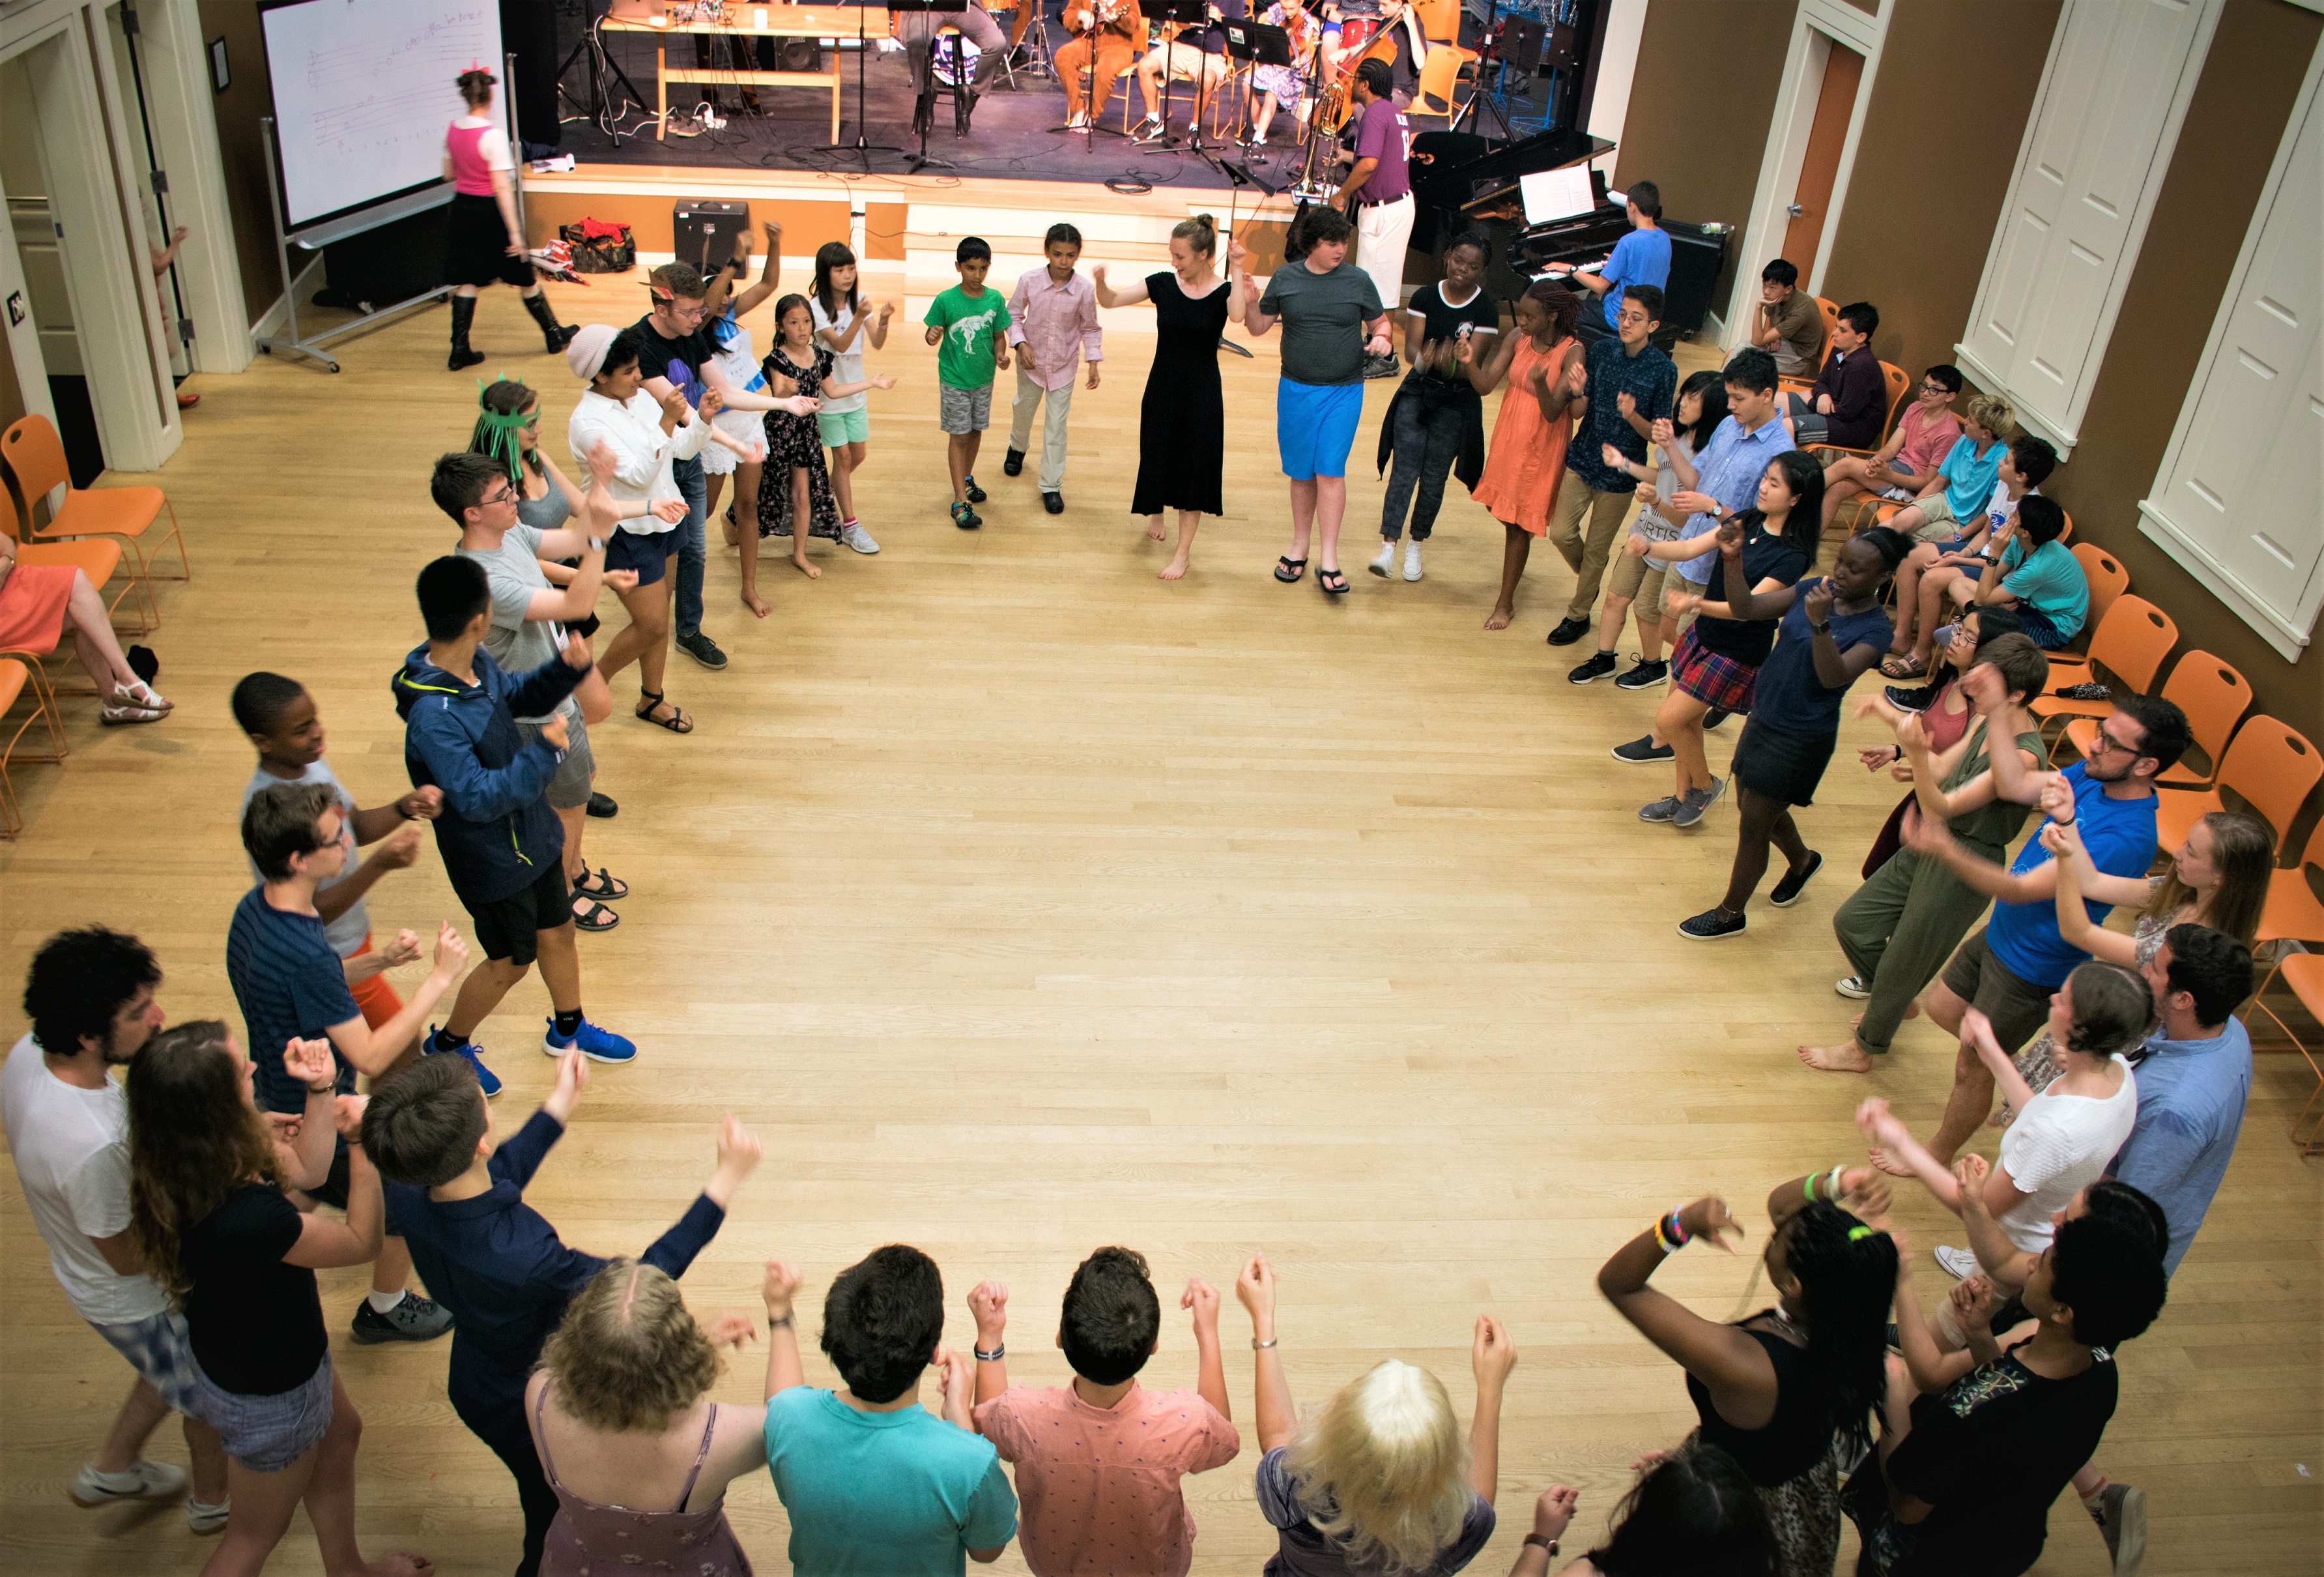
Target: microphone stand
x: 862, y: 147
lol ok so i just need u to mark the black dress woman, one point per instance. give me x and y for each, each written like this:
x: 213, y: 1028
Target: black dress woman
x: 1182, y: 420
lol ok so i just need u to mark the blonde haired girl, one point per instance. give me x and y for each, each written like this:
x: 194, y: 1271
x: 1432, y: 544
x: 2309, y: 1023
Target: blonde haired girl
x: 1380, y: 1483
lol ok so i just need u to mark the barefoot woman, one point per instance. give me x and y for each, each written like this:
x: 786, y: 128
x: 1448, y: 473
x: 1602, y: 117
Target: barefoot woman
x: 1543, y: 362
x: 1182, y: 419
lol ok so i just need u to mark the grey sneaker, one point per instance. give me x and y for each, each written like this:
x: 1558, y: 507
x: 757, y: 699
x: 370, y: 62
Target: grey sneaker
x: 857, y: 538
x: 1661, y: 809
x: 145, y: 1481
x: 415, y: 1319
x: 1699, y: 802
x: 2121, y: 1517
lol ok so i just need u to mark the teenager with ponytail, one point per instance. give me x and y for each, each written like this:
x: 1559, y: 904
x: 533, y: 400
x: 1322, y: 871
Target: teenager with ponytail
x: 1791, y: 1391
x: 1831, y: 629
x: 483, y: 241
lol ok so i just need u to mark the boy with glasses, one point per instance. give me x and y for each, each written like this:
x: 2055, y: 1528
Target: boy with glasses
x: 1906, y: 463
x: 674, y: 351
x: 1632, y: 384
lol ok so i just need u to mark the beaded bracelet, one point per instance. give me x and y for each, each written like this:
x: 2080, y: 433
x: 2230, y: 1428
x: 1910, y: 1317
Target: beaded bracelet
x: 1670, y: 1235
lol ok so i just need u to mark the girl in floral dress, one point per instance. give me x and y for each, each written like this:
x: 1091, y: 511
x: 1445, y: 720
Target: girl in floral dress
x: 793, y: 483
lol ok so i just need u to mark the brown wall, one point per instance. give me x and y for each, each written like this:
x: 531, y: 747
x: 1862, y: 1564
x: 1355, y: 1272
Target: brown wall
x: 1922, y: 275
x: 1700, y: 102
x: 248, y: 97
x: 2242, y: 103
x: 806, y: 222
x: 12, y: 396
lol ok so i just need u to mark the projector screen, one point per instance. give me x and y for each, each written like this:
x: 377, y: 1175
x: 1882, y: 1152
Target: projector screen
x: 364, y: 90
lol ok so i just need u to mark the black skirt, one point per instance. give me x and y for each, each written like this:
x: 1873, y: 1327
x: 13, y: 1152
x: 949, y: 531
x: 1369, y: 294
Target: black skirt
x: 475, y: 245
x: 1774, y: 763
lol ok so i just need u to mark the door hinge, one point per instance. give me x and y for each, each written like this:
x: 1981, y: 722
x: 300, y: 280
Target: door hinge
x: 161, y: 183
x: 186, y: 330
x: 129, y: 22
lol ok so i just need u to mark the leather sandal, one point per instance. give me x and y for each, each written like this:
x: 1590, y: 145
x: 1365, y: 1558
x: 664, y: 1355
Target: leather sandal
x: 649, y: 701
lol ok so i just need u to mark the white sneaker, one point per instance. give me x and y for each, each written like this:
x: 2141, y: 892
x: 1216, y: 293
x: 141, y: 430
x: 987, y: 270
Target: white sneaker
x: 857, y: 538
x: 145, y: 1481
x: 1384, y: 561
x: 1958, y: 1263
x: 205, y: 1518
x: 1075, y: 123
x: 1412, y: 560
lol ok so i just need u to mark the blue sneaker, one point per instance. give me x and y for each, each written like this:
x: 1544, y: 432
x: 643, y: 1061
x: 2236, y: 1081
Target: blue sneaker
x: 488, y: 1080
x: 596, y: 1045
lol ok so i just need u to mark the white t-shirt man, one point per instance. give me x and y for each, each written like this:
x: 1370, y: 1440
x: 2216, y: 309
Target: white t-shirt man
x: 71, y: 1150
x: 2059, y: 1145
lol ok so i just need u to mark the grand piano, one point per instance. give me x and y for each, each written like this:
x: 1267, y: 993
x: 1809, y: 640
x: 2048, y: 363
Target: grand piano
x: 1465, y: 182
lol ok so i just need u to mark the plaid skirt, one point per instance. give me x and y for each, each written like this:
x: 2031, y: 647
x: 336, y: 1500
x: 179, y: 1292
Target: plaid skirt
x: 1710, y: 678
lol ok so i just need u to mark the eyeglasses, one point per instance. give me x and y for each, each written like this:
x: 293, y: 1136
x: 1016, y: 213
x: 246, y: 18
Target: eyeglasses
x: 2107, y: 742
x: 1933, y: 389
x: 507, y: 494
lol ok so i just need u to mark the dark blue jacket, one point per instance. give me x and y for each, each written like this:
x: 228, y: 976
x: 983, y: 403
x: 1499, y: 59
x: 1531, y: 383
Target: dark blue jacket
x: 504, y: 1273
x: 497, y: 832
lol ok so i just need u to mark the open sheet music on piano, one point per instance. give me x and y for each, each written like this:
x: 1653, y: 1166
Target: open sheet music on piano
x: 1550, y: 195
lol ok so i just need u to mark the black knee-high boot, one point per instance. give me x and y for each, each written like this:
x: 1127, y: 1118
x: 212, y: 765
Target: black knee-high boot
x: 556, y: 333
x: 464, y: 313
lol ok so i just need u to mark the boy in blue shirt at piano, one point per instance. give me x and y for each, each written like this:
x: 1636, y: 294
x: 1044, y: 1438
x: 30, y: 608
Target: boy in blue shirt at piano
x: 1643, y: 257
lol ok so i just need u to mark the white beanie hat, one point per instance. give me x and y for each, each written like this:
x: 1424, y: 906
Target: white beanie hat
x: 586, y: 354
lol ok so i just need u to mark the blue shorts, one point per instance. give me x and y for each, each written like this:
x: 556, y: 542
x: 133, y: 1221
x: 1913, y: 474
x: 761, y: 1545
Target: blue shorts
x: 1315, y: 427
x: 646, y: 552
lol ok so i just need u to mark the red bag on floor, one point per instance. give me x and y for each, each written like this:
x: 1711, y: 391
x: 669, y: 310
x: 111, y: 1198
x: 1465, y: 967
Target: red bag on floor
x: 599, y: 247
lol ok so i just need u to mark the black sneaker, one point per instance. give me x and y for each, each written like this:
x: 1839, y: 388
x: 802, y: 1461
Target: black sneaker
x: 965, y: 518
x: 1716, y: 715
x: 977, y: 494
x: 1787, y: 891
x: 1644, y: 750
x: 603, y: 806
x: 1014, y: 465
x: 1911, y: 697
x: 1055, y: 503
x: 1383, y: 365
x: 1711, y: 925
x: 1600, y: 665
x: 1644, y: 675
x: 415, y: 1319
x: 702, y: 649
x: 1568, y: 632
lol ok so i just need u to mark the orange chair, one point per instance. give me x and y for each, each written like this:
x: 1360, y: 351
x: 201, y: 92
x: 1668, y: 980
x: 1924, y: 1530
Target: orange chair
x: 1900, y: 388
x: 1440, y: 21
x: 13, y: 676
x: 31, y: 457
x: 1830, y: 322
x: 2304, y: 973
x: 2212, y: 695
x: 2269, y: 765
x: 2292, y: 913
x: 2108, y: 580
x: 2130, y: 645
x: 1438, y: 74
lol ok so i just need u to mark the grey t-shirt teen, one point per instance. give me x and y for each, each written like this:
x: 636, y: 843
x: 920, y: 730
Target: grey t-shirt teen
x: 1324, y: 316
x: 518, y: 643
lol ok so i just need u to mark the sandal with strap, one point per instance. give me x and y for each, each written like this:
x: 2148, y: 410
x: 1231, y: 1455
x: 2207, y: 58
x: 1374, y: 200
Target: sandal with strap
x: 608, y: 887
x: 1297, y: 566
x: 1323, y: 579
x: 589, y: 915
x: 652, y: 701
x: 1903, y: 666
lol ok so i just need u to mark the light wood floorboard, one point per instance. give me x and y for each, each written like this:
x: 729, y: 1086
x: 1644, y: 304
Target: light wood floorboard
x: 1025, y: 903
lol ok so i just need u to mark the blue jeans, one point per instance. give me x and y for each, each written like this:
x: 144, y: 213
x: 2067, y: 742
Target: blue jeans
x: 691, y: 557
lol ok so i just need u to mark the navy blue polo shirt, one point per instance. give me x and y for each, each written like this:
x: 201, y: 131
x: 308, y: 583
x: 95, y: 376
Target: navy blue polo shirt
x: 1650, y: 378
x: 291, y: 986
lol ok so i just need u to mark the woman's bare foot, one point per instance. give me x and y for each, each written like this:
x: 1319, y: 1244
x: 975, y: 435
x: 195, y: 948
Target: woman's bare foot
x: 1849, y: 1058
x: 1498, y: 619
x: 799, y: 563
x: 754, y: 602
x: 1173, y: 570
x: 1156, y: 532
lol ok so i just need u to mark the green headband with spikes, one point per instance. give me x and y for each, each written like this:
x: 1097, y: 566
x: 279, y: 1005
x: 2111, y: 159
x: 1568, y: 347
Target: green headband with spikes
x: 496, y: 431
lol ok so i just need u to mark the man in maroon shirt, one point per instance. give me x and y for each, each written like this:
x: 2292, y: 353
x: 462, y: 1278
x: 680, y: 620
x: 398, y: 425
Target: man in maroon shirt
x: 1378, y: 194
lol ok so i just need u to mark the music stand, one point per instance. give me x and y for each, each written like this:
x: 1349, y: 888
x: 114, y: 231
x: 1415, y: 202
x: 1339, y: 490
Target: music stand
x: 1197, y: 13
x: 1095, y: 110
x: 862, y: 146
x: 1256, y: 44
x: 1466, y: 115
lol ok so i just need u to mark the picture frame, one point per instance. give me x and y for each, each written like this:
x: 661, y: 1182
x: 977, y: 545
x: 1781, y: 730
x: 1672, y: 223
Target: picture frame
x: 221, y: 76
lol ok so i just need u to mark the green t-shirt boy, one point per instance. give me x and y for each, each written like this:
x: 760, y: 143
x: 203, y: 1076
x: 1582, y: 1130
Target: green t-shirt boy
x: 972, y: 325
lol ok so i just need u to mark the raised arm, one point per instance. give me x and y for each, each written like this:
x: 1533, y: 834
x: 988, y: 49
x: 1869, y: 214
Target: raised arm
x: 779, y: 1288
x: 306, y: 1159
x: 1202, y: 1299
x: 1727, y: 1360
x: 1491, y: 1354
x: 770, y: 275
x: 1485, y: 375
x: 1129, y: 295
x: 2078, y: 879
x: 375, y: 1051
x: 1933, y: 840
x: 1278, y: 1420
x: 325, y: 1244
x: 988, y: 1306
x: 1238, y: 277
x: 2009, y: 1265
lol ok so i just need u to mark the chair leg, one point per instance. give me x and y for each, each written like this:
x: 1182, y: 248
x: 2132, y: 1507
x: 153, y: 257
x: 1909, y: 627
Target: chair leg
x: 185, y: 566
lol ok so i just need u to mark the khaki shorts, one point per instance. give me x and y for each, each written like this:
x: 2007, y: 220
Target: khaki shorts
x: 1646, y: 581
x: 1937, y: 522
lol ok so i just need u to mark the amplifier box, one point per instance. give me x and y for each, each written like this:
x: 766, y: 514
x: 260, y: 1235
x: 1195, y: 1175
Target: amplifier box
x: 703, y: 232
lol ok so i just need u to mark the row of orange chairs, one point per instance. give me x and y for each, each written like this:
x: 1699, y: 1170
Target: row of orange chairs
x: 95, y: 530
x: 2267, y: 764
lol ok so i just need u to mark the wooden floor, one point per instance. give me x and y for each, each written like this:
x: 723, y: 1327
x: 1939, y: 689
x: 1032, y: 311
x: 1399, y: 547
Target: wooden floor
x: 1025, y: 903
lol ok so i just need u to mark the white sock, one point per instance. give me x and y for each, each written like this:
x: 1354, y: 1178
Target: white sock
x: 381, y: 1302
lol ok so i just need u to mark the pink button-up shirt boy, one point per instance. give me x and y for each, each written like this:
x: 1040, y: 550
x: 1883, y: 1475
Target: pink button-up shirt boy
x: 1058, y: 321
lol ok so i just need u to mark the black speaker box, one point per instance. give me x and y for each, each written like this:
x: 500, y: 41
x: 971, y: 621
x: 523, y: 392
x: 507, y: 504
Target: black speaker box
x: 703, y: 232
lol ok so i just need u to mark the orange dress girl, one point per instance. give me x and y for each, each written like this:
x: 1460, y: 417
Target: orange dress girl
x: 1526, y: 458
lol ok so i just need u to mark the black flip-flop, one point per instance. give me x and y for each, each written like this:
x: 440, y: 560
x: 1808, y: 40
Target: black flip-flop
x: 1323, y: 579
x: 595, y: 917
x: 1297, y: 566
x: 610, y: 889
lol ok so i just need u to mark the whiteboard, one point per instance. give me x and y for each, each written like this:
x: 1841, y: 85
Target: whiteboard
x: 364, y: 91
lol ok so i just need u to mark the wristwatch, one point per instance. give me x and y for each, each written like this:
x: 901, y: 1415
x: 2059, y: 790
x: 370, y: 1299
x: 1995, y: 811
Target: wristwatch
x: 1822, y: 628
x: 1549, y: 1544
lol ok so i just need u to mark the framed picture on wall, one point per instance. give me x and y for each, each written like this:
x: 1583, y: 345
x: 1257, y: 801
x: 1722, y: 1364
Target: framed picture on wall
x: 220, y: 77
